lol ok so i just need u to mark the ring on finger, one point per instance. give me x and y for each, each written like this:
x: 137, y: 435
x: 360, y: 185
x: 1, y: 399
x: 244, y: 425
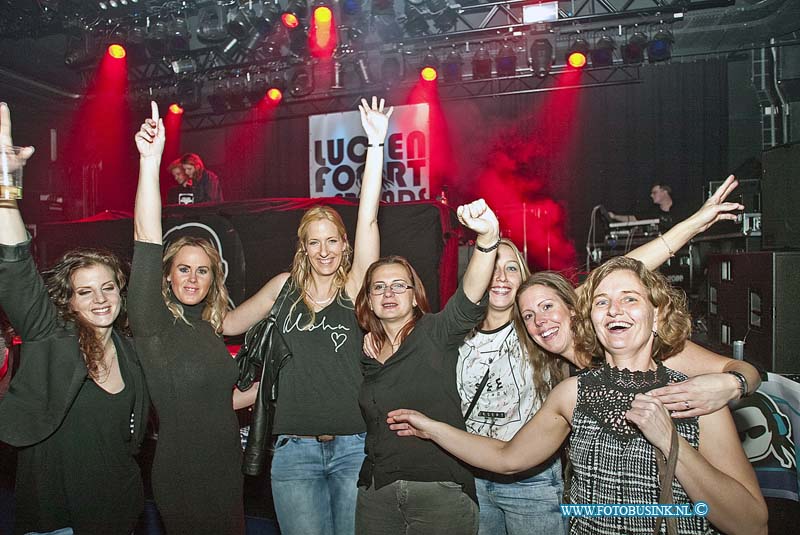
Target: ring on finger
x: 686, y: 404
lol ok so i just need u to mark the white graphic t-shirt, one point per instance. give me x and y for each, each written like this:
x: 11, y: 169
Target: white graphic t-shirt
x: 508, y: 400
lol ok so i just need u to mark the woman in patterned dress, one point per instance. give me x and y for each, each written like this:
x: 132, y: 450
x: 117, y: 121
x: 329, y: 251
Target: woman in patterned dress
x: 635, y: 319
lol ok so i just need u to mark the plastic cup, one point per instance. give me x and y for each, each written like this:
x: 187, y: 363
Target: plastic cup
x: 11, y: 164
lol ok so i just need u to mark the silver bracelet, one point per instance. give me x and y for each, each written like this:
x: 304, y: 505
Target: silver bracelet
x: 742, y: 383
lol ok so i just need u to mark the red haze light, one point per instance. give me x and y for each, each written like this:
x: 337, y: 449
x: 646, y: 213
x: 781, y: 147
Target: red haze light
x: 176, y: 109
x: 274, y: 95
x: 290, y: 20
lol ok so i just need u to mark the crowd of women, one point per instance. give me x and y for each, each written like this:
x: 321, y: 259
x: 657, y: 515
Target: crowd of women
x: 445, y: 423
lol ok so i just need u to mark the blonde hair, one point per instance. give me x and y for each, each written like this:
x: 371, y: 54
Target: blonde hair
x: 674, y: 323
x: 216, y: 302
x: 301, y: 266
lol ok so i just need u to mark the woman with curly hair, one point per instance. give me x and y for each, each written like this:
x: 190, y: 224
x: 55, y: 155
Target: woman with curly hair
x: 177, y: 304
x: 624, y: 444
x: 77, y: 407
x: 517, y: 374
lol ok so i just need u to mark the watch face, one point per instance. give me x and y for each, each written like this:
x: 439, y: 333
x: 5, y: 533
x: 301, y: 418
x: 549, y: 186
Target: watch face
x: 186, y: 198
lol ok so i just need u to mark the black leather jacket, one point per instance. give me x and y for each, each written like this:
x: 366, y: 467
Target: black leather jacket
x: 264, y: 351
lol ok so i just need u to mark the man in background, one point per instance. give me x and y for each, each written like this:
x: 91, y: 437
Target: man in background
x: 181, y: 192
x: 665, y: 210
x: 205, y: 184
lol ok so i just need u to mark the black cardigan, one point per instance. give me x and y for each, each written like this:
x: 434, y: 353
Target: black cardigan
x: 52, y: 368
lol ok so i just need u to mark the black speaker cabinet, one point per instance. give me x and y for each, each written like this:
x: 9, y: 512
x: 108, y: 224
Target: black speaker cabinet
x: 780, y: 195
x: 755, y: 297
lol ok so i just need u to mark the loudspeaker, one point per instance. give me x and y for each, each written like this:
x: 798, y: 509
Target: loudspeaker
x: 780, y: 195
x: 753, y: 297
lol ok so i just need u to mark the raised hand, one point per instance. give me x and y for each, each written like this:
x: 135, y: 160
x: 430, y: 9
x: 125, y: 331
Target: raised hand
x: 477, y: 216
x: 374, y: 119
x: 409, y: 423
x: 151, y: 136
x: 715, y: 208
x: 14, y: 161
x: 653, y: 421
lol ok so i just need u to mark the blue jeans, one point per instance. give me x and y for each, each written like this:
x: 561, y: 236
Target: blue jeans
x: 314, y: 484
x: 530, y: 506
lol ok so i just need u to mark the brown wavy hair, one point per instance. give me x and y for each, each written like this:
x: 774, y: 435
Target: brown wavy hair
x: 674, y: 323
x: 58, y: 282
x: 216, y: 302
x: 367, y: 318
x: 301, y: 266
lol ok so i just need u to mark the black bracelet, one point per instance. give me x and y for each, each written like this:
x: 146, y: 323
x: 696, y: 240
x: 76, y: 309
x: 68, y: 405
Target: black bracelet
x: 488, y: 249
x: 742, y: 383
x: 371, y: 145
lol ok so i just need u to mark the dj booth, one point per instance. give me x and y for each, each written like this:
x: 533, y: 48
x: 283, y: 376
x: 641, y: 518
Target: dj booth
x: 257, y: 239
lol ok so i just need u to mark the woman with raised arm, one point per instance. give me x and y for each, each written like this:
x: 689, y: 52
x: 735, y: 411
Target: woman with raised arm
x: 319, y: 443
x: 635, y: 319
x: 77, y: 407
x: 518, y: 376
x: 177, y: 301
x: 408, y: 485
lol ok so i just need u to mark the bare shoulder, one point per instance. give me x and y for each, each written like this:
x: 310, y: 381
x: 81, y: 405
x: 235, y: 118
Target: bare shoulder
x: 562, y: 398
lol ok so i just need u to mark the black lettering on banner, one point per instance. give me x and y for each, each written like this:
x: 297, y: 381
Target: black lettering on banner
x: 405, y: 195
x: 395, y: 143
x: 395, y: 172
x: 319, y: 178
x: 416, y: 168
x: 415, y: 145
x: 335, y: 151
x: 318, y: 156
x: 349, y: 177
x: 357, y: 157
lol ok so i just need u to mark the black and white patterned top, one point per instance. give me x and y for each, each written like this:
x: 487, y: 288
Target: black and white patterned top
x: 612, y: 461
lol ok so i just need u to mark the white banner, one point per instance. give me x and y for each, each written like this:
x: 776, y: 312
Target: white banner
x: 338, y: 147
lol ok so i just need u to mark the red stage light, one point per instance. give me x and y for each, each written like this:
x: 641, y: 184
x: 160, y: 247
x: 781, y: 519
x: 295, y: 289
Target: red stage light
x: 176, y: 109
x: 323, y: 15
x: 322, y: 35
x: 428, y: 74
x: 274, y: 95
x: 116, y: 51
x: 577, y: 60
x: 290, y: 20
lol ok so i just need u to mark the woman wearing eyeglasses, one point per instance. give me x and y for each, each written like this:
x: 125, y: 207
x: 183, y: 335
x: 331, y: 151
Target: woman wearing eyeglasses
x: 408, y: 485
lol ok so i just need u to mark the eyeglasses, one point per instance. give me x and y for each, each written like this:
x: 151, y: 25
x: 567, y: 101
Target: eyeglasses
x: 379, y: 288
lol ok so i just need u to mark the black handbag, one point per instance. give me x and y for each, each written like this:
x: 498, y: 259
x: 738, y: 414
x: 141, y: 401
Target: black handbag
x: 263, y: 354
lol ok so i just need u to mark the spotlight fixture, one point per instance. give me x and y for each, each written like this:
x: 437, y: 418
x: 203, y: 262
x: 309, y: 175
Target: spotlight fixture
x: 541, y: 57
x: 184, y: 66
x: 175, y: 109
x: 116, y: 51
x: 188, y: 94
x: 262, y: 26
x: 211, y: 24
x: 392, y: 69
x: 296, y: 11
x: 660, y: 46
x: 178, y: 33
x: 322, y: 35
x: 453, y: 67
x: 216, y: 99
x: 429, y: 66
x: 274, y: 95
x: 506, y: 60
x: 156, y: 40
x: 301, y: 82
x: 80, y: 51
x: 481, y: 64
x: 576, y: 56
x: 633, y: 52
x: 603, y: 51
